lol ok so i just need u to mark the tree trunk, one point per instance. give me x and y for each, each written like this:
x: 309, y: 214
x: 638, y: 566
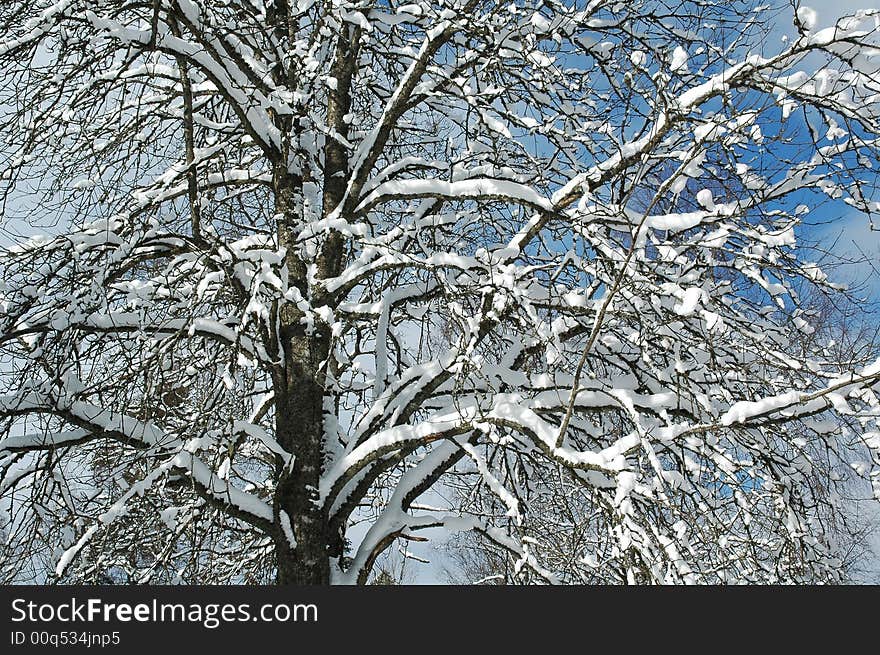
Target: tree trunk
x: 300, y: 525
x: 299, y: 427
x: 300, y: 385
x: 299, y: 423
x: 299, y: 430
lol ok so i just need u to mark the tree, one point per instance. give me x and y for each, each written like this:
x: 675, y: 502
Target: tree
x: 287, y: 283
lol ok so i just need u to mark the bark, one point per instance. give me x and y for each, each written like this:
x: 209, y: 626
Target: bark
x: 300, y: 382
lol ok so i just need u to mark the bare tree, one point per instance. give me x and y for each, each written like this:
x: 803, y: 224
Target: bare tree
x: 287, y: 283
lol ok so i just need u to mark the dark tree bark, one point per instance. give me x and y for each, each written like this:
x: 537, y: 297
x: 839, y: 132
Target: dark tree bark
x: 299, y: 386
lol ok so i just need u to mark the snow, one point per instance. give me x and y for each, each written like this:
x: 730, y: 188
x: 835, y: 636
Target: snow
x: 288, y: 529
x: 263, y: 437
x: 678, y: 63
x: 483, y: 189
x: 221, y: 490
x: 68, y: 555
x: 540, y: 23
x: 26, y: 441
x: 494, y: 484
x: 689, y: 301
x: 704, y: 197
x: 807, y: 18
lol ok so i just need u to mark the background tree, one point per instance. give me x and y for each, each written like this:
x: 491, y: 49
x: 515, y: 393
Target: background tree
x: 289, y: 273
